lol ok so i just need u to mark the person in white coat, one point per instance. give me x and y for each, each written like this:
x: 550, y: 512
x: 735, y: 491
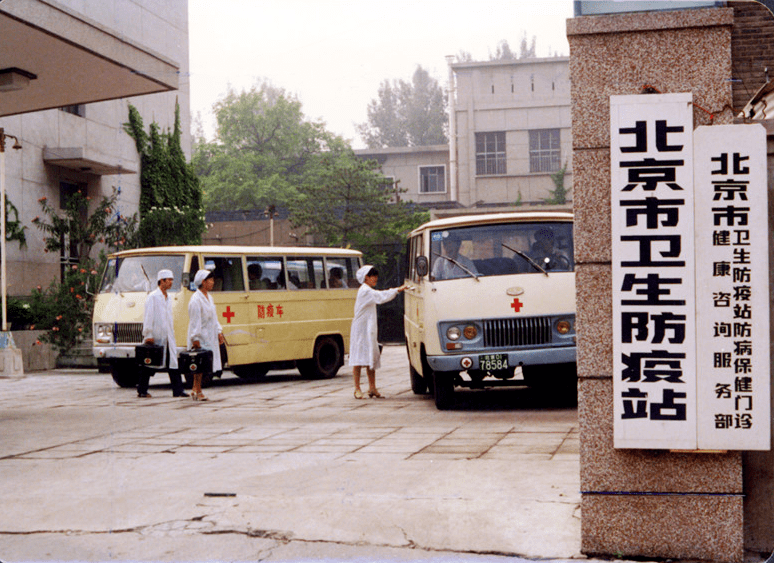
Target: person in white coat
x: 363, y: 344
x: 204, y: 330
x: 158, y: 328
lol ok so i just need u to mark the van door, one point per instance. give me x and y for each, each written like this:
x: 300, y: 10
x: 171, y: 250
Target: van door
x: 414, y: 303
x: 231, y: 302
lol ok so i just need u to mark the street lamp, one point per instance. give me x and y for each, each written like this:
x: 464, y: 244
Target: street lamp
x: 3, y: 255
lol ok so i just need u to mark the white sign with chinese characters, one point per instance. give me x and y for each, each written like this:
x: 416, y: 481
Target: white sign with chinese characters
x: 732, y: 294
x: 654, y: 346
x: 690, y: 279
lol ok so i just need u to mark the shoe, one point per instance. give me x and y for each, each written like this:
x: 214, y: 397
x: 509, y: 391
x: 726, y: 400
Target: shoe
x: 199, y: 397
x: 181, y: 394
x: 358, y: 394
x: 144, y: 395
x: 375, y: 394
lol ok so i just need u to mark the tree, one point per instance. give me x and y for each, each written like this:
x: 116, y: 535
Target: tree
x: 170, y: 194
x: 348, y: 202
x: 65, y: 307
x: 503, y: 52
x: 263, y: 150
x: 406, y: 114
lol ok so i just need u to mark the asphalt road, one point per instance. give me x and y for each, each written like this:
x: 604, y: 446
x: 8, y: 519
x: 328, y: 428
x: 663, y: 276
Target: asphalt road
x: 283, y: 470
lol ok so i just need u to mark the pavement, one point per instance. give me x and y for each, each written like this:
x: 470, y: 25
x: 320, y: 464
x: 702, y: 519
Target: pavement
x: 283, y: 470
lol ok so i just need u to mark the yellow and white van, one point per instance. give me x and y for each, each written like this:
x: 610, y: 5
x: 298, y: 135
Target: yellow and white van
x: 489, y: 294
x: 279, y: 306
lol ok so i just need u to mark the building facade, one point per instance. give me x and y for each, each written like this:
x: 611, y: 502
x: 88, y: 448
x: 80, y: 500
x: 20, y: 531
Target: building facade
x: 84, y: 146
x: 510, y: 130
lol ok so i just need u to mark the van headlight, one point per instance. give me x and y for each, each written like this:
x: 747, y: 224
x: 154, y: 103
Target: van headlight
x: 453, y: 333
x: 563, y: 327
x: 103, y: 333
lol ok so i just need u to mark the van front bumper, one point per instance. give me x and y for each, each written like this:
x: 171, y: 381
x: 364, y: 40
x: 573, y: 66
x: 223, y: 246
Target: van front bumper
x: 556, y: 355
x: 113, y: 352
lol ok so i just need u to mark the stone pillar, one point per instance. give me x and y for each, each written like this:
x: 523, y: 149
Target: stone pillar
x: 648, y: 503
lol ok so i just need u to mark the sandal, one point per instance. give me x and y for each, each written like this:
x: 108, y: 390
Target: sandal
x: 199, y: 397
x: 375, y: 394
x: 358, y: 394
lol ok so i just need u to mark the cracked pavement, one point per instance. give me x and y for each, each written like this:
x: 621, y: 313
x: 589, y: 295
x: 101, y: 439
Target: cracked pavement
x: 283, y: 470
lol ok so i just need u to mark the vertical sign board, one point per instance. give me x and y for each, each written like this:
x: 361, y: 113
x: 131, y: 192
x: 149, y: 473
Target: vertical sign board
x: 654, y: 376
x: 732, y: 294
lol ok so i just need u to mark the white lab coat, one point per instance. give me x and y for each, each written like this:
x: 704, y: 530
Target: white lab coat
x: 363, y: 344
x: 159, y: 325
x: 203, y: 326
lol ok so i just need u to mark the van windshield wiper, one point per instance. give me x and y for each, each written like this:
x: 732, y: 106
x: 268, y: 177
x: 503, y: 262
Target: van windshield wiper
x: 527, y: 258
x: 453, y: 261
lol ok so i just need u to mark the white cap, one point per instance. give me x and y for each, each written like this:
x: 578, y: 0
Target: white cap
x: 164, y: 275
x: 361, y: 273
x: 201, y: 275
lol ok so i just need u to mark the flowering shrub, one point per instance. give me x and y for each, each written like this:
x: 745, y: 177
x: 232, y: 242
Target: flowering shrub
x: 64, y: 308
x: 162, y: 226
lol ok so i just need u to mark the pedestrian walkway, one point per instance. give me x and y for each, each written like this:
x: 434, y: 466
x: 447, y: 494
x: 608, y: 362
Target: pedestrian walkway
x: 283, y: 470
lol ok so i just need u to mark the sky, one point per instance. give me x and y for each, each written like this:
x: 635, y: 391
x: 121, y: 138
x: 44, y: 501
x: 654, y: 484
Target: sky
x: 333, y: 54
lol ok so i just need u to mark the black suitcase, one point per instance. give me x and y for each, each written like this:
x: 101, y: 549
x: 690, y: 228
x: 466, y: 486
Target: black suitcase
x: 151, y: 356
x: 196, y: 361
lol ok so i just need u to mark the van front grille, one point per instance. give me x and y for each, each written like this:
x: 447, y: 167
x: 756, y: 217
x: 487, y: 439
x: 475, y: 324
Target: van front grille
x: 528, y: 331
x: 127, y: 333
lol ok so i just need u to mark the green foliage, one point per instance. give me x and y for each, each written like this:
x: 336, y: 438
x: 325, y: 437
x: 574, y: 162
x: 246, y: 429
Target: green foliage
x: 170, y: 192
x: 14, y: 230
x: 81, y: 230
x: 264, y: 149
x: 558, y: 195
x: 407, y: 114
x: 518, y: 201
x: 64, y: 308
x: 527, y: 50
x: 348, y: 202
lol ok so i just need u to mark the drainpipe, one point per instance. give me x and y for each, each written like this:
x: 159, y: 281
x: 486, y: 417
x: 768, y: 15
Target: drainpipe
x: 452, y: 132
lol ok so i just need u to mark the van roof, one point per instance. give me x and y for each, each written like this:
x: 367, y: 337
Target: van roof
x: 491, y: 218
x: 257, y: 250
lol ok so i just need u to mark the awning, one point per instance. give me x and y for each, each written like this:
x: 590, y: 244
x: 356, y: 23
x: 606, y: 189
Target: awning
x: 73, y: 60
x: 83, y: 160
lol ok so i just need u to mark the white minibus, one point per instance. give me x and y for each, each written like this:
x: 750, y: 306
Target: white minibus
x: 491, y: 302
x: 280, y: 307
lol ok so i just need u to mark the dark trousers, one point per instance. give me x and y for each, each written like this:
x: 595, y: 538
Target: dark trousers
x: 174, y: 379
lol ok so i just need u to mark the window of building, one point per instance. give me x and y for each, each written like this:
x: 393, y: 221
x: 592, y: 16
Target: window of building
x: 490, y: 153
x: 75, y: 109
x: 545, y: 154
x: 432, y: 179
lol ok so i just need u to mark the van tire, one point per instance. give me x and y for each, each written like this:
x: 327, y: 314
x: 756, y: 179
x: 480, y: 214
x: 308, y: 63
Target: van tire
x: 558, y: 380
x: 327, y: 358
x: 125, y: 373
x: 418, y: 383
x: 444, y: 389
x: 251, y: 372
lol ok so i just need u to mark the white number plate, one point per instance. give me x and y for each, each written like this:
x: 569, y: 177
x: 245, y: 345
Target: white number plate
x: 493, y: 362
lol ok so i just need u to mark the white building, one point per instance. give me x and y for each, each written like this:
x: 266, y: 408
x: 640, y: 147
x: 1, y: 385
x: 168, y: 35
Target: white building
x: 510, y: 129
x: 79, y: 61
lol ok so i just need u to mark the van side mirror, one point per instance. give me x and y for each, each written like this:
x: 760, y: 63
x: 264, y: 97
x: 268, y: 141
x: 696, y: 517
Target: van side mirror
x: 422, y: 266
x: 187, y: 280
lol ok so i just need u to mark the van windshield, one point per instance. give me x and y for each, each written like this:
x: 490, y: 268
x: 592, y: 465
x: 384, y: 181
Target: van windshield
x: 501, y: 249
x: 138, y: 273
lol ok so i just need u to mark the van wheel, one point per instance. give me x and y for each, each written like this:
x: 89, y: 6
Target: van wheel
x: 558, y: 380
x: 444, y: 389
x: 251, y: 372
x: 124, y: 372
x: 418, y: 383
x: 327, y: 359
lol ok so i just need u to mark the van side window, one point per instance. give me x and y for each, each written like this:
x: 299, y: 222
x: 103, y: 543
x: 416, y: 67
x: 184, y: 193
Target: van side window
x: 416, y: 250
x: 228, y: 272
x: 305, y: 273
x: 263, y: 272
x: 341, y: 273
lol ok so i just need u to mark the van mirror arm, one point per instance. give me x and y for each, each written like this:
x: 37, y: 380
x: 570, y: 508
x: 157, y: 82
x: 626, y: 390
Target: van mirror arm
x: 527, y: 258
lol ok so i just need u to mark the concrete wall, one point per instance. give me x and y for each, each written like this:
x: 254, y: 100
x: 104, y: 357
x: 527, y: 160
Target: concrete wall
x: 650, y: 503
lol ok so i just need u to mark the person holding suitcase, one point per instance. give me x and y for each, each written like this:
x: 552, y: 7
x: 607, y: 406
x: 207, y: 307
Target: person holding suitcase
x: 158, y: 328
x: 204, y: 330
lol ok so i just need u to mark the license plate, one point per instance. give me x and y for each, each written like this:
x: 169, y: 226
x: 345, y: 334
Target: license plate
x: 493, y: 362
